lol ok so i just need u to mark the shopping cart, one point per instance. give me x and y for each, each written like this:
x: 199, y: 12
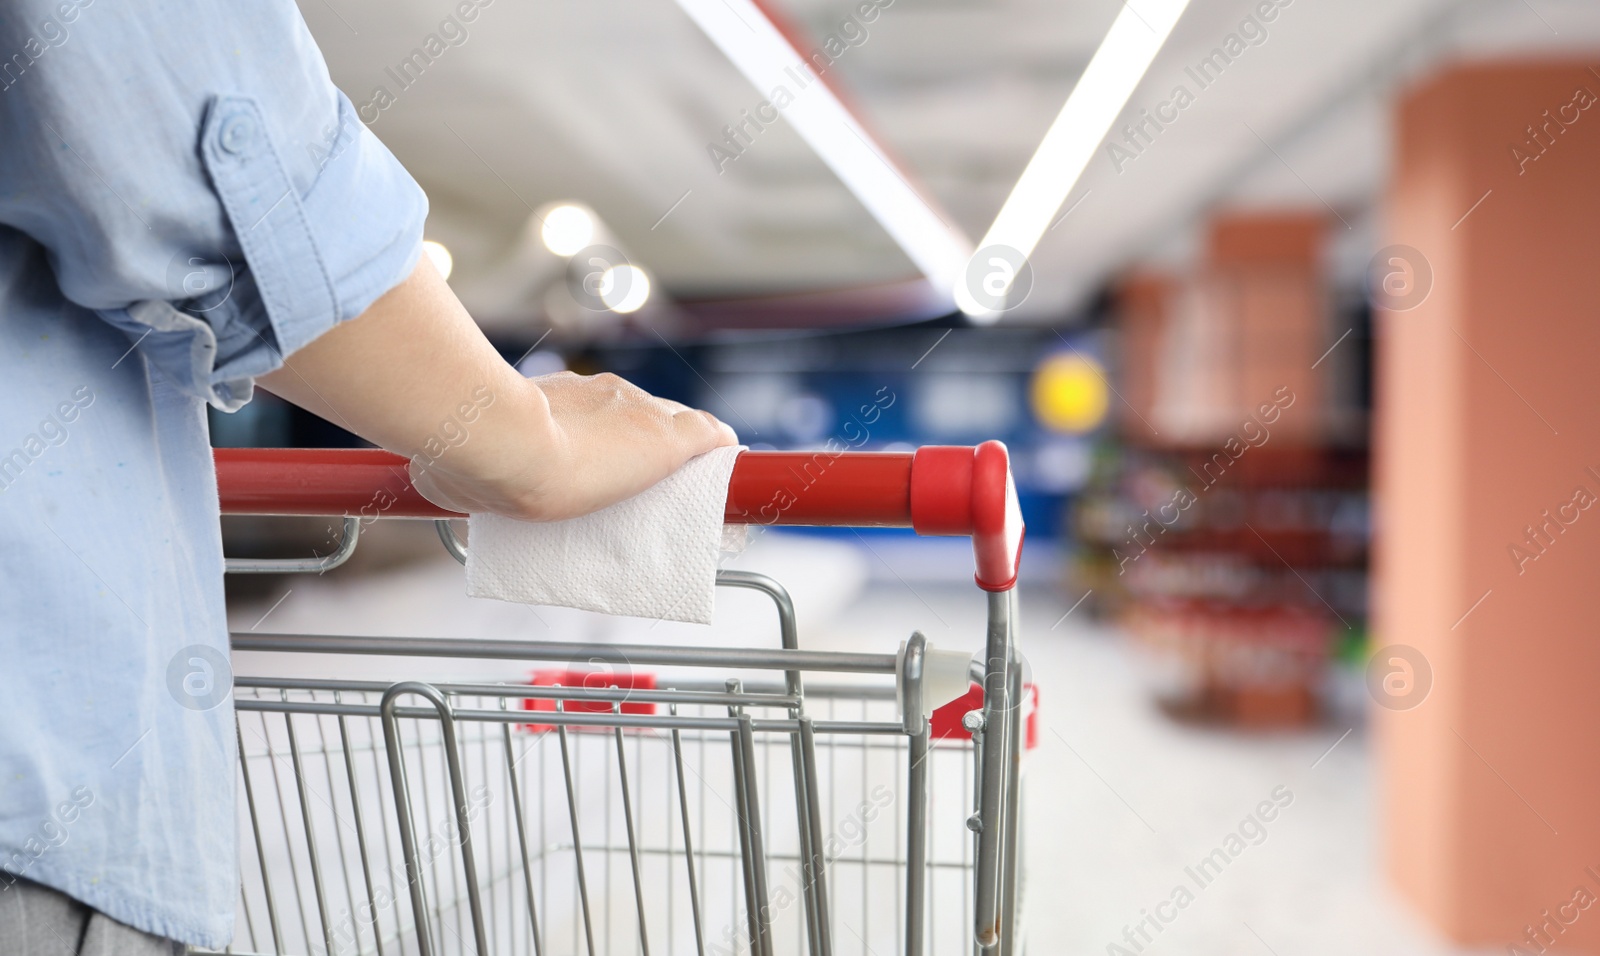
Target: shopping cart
x: 636, y: 797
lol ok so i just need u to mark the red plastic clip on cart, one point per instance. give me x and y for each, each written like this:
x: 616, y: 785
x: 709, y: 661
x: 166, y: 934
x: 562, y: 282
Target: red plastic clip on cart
x: 490, y: 888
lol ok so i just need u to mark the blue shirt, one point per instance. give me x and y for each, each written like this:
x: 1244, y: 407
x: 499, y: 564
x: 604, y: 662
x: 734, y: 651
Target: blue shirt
x: 184, y: 199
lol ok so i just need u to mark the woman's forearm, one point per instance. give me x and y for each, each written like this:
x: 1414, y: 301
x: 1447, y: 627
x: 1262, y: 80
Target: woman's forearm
x: 414, y: 370
x: 415, y: 375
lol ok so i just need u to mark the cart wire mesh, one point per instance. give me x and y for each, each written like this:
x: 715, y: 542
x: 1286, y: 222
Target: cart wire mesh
x: 591, y: 829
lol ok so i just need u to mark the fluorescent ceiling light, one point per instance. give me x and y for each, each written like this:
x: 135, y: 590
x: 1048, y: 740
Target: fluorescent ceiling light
x: 744, y: 34
x: 1094, y: 104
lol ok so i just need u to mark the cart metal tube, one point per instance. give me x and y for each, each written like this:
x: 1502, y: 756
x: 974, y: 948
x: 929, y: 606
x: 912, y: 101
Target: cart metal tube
x: 360, y: 826
x: 917, y: 839
x: 560, y: 718
x: 661, y: 695
x: 807, y: 837
x: 688, y: 842
x: 751, y: 804
x: 310, y: 832
x: 996, y: 748
x: 1010, y: 873
x: 458, y: 793
x: 817, y: 858
x: 973, y: 722
x: 741, y: 807
x: 261, y: 848
x: 633, y: 844
x: 788, y: 629
x: 522, y: 844
x: 719, y: 657
x: 814, y: 888
x: 316, y: 564
x: 577, y: 838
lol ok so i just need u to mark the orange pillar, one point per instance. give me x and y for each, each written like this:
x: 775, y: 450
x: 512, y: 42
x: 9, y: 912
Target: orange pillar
x: 1488, y: 433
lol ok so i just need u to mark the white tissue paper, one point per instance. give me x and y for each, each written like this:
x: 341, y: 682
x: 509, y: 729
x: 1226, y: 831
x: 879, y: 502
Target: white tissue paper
x: 653, y: 555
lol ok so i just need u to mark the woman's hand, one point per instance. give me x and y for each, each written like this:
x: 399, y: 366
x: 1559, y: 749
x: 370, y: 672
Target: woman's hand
x: 607, y: 440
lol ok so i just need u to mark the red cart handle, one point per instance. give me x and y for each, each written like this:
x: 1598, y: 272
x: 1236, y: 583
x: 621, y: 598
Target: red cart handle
x: 936, y: 490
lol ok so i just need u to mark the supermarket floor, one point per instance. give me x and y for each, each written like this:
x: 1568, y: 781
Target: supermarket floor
x: 1120, y: 800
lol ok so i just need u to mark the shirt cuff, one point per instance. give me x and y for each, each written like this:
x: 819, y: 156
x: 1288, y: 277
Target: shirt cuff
x: 308, y: 262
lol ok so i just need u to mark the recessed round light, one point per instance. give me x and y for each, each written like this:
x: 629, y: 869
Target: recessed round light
x: 567, y: 229
x: 441, y: 257
x: 624, y: 288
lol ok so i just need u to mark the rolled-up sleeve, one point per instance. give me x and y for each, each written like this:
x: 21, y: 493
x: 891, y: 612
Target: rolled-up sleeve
x: 197, y: 180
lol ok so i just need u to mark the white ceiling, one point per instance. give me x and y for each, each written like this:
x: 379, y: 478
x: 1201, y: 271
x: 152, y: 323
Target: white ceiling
x: 614, y: 103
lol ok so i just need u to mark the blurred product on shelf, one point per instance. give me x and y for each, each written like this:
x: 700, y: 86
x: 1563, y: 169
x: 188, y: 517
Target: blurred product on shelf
x: 1238, y: 592
x: 1255, y: 666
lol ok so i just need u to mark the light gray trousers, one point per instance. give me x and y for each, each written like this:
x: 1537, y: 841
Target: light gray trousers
x: 37, y: 921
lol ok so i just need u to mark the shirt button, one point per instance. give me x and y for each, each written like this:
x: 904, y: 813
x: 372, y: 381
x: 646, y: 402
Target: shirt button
x: 238, y: 132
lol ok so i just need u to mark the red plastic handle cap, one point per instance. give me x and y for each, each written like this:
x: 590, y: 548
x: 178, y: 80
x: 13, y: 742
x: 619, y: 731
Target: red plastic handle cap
x: 959, y: 490
x: 997, y: 528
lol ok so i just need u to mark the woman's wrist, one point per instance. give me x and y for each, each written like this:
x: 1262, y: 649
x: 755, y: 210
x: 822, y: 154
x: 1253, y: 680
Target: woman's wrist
x: 497, y: 447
